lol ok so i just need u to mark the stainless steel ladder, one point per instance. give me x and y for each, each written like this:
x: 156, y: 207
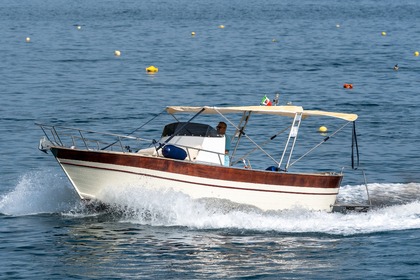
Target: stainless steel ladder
x: 294, y: 129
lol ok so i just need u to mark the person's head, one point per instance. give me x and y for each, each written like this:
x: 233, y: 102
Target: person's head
x: 221, y: 128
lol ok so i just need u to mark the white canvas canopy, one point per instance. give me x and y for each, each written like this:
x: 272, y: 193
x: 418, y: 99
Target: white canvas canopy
x: 288, y: 111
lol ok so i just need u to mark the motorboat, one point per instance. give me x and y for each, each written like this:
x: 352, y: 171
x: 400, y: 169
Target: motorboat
x: 193, y: 158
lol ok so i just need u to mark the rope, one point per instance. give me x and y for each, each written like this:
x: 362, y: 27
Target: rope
x: 354, y: 146
x: 246, y: 136
x: 319, y: 144
x: 106, y: 147
x: 263, y: 144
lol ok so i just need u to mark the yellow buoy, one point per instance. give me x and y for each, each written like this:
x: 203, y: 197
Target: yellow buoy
x: 416, y: 53
x: 383, y: 33
x: 28, y: 39
x: 274, y: 40
x: 221, y: 26
x: 322, y: 129
x: 152, y: 69
x: 193, y: 33
x: 117, y: 53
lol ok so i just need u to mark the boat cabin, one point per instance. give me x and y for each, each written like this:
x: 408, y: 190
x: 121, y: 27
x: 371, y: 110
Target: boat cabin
x: 200, y: 142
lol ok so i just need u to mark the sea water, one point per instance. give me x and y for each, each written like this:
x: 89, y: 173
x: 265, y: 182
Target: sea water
x: 67, y: 74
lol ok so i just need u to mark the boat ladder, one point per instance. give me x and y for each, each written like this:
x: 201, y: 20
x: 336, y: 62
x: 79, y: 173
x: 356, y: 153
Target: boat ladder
x: 290, y: 145
x: 355, y: 207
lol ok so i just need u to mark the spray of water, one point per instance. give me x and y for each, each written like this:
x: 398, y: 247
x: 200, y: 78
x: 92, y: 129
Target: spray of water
x: 38, y: 192
x: 397, y: 208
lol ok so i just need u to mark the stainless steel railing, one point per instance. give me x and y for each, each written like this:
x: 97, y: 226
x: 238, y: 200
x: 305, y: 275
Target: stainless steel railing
x: 91, y: 140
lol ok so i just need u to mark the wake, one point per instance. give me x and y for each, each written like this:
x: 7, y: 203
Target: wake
x: 395, y: 207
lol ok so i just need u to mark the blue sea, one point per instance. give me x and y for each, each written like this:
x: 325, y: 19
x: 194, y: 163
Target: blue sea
x: 66, y: 73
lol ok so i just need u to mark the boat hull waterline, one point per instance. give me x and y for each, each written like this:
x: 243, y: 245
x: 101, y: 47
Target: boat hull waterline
x: 92, y: 172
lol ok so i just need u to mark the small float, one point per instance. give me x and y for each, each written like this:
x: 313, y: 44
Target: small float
x: 152, y: 69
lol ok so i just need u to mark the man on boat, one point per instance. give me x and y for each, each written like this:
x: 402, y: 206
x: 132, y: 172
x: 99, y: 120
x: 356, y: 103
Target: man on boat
x: 221, y: 130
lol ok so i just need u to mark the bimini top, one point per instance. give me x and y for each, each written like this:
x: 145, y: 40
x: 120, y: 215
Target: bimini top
x: 288, y: 111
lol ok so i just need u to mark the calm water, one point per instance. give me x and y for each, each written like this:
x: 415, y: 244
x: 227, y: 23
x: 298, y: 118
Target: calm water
x: 306, y: 50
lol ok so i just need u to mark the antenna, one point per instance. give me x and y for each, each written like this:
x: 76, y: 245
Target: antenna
x: 276, y: 99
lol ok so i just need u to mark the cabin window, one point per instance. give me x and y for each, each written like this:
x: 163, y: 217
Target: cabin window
x: 190, y: 129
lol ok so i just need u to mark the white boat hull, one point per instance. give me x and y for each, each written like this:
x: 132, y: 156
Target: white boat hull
x: 92, y: 172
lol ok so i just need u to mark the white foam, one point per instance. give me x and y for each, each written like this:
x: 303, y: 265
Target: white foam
x: 381, y: 194
x: 38, y: 192
x: 175, y: 209
x: 398, y: 208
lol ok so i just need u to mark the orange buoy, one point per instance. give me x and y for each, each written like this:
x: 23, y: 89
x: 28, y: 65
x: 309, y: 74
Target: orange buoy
x: 348, y: 86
